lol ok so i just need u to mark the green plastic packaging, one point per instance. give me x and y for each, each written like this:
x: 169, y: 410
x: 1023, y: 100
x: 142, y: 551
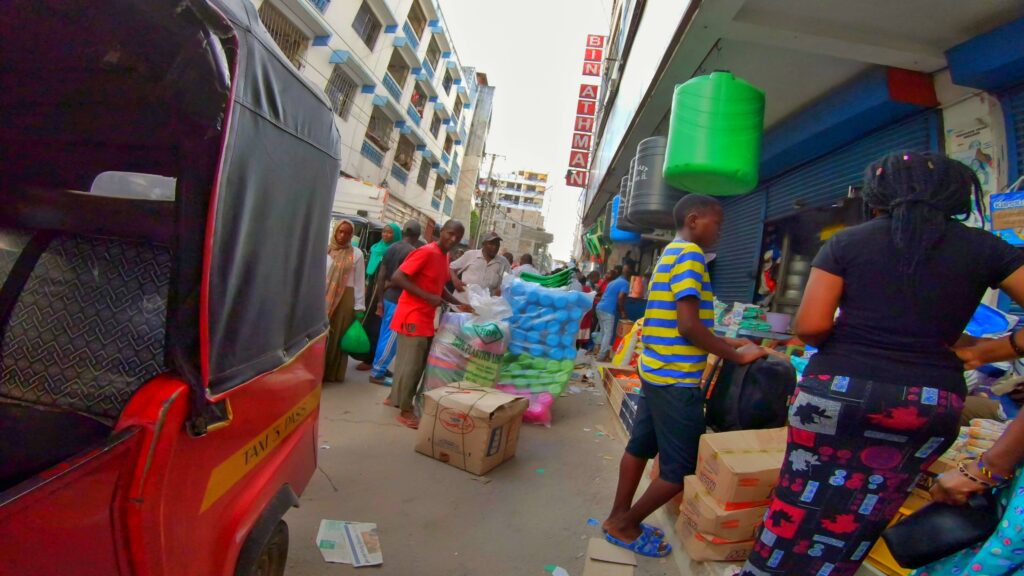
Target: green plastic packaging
x: 714, y: 138
x: 355, y: 340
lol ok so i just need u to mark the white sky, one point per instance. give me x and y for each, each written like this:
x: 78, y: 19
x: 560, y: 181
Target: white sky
x: 532, y: 53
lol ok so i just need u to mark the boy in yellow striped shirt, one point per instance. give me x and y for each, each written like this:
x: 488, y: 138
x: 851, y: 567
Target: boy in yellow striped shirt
x: 677, y: 338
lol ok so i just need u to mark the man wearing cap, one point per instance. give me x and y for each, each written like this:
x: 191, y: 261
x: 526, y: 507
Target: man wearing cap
x: 480, y: 267
x: 392, y: 260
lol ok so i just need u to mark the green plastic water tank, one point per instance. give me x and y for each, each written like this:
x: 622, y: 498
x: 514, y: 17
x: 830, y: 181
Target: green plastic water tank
x: 714, y: 138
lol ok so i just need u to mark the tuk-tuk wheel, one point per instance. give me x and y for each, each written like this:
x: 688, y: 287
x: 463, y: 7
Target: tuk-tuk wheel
x: 274, y: 555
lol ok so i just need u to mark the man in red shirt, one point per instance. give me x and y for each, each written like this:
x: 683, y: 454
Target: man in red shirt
x: 422, y: 278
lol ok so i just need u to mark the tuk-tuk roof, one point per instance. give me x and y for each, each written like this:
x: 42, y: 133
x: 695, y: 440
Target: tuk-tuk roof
x: 264, y: 278
x: 209, y: 100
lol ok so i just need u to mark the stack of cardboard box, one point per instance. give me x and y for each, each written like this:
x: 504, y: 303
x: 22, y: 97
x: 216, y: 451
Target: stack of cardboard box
x: 726, y: 500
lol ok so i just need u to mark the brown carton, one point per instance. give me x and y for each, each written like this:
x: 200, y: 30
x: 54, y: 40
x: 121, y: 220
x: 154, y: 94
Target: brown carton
x: 739, y: 469
x: 605, y: 559
x: 470, y: 427
x: 704, y: 547
x: 707, y: 516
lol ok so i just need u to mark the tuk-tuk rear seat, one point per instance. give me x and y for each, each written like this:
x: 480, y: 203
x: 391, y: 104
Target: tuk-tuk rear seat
x: 82, y: 334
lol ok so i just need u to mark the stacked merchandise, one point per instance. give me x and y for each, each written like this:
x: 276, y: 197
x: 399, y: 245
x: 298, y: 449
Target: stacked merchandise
x: 470, y: 347
x: 727, y: 499
x: 542, y: 350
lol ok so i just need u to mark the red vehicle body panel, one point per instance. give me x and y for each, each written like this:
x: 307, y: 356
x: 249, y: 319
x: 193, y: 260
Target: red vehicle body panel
x: 157, y: 501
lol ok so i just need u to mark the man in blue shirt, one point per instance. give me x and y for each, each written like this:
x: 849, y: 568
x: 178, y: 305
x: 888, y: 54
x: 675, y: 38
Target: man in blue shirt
x: 613, y: 302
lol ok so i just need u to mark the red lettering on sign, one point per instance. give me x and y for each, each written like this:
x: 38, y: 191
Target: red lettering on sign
x: 584, y: 124
x: 582, y: 141
x: 595, y: 41
x: 593, y: 55
x: 588, y: 91
x: 577, y: 178
x: 586, y: 107
x: 591, y: 68
x: 579, y: 159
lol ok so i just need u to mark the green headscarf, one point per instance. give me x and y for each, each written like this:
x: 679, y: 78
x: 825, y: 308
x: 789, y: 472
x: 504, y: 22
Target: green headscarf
x: 377, y: 250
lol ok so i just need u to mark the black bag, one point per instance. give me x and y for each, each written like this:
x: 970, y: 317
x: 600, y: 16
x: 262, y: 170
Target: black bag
x: 751, y: 397
x: 938, y: 530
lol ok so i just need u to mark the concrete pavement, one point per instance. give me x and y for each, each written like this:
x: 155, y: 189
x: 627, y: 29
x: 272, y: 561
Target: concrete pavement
x: 436, y: 520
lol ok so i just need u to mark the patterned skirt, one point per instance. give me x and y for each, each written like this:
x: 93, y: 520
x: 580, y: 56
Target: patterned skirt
x: 855, y: 450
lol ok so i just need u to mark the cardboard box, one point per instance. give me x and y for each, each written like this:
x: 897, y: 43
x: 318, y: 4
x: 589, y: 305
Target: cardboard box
x: 470, y: 427
x: 606, y: 559
x: 708, y: 517
x: 739, y: 469
x: 704, y: 547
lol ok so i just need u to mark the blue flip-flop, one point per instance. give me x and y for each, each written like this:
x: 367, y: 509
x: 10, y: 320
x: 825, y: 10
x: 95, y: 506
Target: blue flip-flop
x: 658, y: 532
x: 647, y: 544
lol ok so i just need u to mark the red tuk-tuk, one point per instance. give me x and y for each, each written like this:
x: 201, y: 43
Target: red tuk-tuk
x: 166, y: 178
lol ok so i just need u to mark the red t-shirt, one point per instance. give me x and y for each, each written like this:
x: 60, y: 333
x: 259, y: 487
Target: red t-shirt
x: 427, y: 267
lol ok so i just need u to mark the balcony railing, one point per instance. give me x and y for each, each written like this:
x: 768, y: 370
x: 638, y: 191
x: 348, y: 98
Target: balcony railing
x: 320, y: 5
x: 435, y: 203
x: 414, y: 115
x: 392, y: 87
x: 445, y: 158
x: 399, y: 173
x: 428, y: 69
x: 447, y: 206
x: 370, y: 151
x: 414, y: 40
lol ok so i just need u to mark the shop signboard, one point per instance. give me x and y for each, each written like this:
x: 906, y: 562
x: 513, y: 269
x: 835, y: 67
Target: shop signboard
x: 1007, y: 211
x: 586, y: 114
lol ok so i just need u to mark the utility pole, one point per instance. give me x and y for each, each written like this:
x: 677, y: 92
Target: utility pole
x: 487, y: 210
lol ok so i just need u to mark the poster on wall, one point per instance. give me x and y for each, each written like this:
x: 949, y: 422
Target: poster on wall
x: 975, y: 147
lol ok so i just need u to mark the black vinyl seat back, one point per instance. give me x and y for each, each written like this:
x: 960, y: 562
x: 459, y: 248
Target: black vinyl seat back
x: 88, y: 327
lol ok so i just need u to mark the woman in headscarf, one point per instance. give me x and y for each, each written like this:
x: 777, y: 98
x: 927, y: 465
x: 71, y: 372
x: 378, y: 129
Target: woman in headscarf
x: 346, y: 293
x: 389, y: 235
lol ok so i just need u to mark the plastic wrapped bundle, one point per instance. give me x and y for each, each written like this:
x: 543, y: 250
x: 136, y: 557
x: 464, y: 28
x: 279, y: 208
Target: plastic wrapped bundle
x: 542, y: 351
x: 469, y: 347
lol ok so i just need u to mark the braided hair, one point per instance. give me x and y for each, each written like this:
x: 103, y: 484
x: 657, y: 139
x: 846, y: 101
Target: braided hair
x: 922, y: 192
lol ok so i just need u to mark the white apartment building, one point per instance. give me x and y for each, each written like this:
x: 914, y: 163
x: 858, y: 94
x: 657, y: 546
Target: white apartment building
x: 518, y: 213
x: 402, y: 100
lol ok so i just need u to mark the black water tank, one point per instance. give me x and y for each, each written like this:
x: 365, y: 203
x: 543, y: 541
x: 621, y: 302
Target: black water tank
x: 623, y: 222
x: 651, y: 199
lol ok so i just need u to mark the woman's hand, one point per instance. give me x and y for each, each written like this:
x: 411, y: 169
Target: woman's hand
x: 955, y: 488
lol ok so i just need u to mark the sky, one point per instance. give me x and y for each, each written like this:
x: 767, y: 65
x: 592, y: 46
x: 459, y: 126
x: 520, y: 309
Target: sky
x: 532, y: 53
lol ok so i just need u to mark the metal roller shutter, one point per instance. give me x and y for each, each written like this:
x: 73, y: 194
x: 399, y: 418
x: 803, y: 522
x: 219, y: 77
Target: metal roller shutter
x: 826, y: 180
x: 1013, y: 108
x: 735, y: 267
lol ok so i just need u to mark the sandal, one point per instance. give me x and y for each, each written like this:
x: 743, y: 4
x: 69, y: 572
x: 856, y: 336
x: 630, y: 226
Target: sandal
x: 647, y: 544
x: 657, y: 532
x: 408, y: 422
x: 650, y: 528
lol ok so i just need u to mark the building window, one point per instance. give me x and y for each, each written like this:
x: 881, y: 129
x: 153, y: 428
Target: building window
x: 448, y: 143
x: 419, y: 99
x: 435, y: 125
x: 366, y: 25
x: 458, y: 107
x: 438, y: 189
x: 447, y: 83
x: 341, y: 91
x: 288, y: 36
x: 379, y: 129
x: 424, y: 174
x: 433, y: 53
x: 404, y: 154
x: 417, y: 19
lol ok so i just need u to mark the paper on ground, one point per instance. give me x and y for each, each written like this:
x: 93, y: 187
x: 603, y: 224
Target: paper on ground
x: 354, y: 543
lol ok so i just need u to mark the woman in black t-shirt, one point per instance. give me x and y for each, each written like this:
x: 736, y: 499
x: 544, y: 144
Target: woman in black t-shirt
x: 881, y: 401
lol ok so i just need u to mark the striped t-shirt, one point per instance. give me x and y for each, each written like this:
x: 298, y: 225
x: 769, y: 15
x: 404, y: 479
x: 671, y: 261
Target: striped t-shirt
x: 668, y: 359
